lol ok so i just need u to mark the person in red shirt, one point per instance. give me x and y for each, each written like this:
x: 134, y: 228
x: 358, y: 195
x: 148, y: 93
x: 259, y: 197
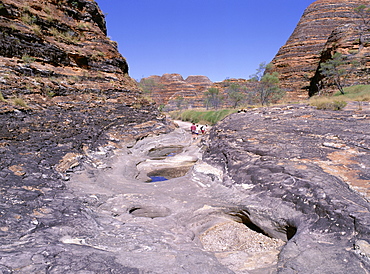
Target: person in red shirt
x: 193, y: 130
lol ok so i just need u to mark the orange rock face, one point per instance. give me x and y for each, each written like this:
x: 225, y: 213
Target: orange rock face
x: 346, y: 41
x: 298, y: 60
x: 169, y: 87
x: 57, y: 48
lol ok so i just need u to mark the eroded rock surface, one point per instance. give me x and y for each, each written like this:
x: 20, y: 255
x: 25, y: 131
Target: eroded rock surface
x: 38, y: 152
x: 277, y: 190
x: 304, y: 175
x: 188, y: 224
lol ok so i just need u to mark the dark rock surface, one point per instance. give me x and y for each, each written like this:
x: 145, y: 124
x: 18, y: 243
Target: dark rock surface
x: 293, y: 173
x: 38, y: 151
x: 298, y: 169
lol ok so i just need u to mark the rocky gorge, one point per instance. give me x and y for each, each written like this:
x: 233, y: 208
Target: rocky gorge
x: 270, y: 190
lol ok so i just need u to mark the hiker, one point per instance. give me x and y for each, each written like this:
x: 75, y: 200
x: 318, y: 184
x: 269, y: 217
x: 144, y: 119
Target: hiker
x: 193, y: 129
x: 202, y: 130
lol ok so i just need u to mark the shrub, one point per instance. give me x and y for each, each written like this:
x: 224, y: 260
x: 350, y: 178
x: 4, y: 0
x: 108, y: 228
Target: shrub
x: 47, y: 10
x: 338, y: 105
x: 83, y: 26
x: 28, y: 59
x: 210, y: 117
x: 20, y: 102
x: 2, y: 99
x: 28, y: 19
x: 67, y: 36
x: 37, y: 30
x: 325, y: 103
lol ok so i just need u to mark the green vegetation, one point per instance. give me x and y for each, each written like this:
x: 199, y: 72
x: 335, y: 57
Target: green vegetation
x: 47, y: 10
x: 74, y: 4
x: 335, y: 70
x: 2, y: 99
x: 359, y: 93
x: 149, y: 85
x: 37, y: 30
x: 98, y: 55
x: 20, y: 102
x: 267, y: 88
x: 28, y: 19
x: 362, y: 12
x: 180, y: 102
x: 49, y: 92
x: 83, y: 26
x: 213, y: 98
x: 64, y: 36
x: 327, y: 103
x: 28, y: 59
x: 356, y: 93
x: 209, y: 117
x: 236, y: 95
x: 13, y: 27
x: 26, y: 8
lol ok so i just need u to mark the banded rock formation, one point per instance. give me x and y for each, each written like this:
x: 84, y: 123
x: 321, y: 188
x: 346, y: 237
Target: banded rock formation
x: 170, y: 86
x: 345, y: 40
x: 65, y: 96
x: 297, y: 61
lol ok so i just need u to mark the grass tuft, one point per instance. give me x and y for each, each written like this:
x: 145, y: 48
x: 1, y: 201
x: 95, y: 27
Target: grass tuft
x: 338, y: 101
x: 2, y: 99
x: 20, y: 102
x: 327, y: 103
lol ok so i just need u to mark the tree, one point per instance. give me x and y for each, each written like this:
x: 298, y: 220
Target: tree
x: 235, y: 94
x: 212, y: 97
x: 267, y: 88
x: 363, y: 12
x: 149, y: 85
x: 179, y: 100
x: 335, y: 70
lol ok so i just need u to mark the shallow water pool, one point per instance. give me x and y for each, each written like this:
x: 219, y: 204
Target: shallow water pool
x: 157, y: 179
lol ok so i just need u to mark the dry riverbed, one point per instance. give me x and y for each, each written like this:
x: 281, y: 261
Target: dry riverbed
x: 188, y: 223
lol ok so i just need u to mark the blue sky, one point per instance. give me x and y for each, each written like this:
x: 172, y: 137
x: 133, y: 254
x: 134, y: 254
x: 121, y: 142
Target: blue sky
x: 216, y: 38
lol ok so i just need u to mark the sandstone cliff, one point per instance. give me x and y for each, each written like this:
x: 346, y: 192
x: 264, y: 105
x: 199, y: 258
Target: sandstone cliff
x: 297, y: 61
x: 55, y: 54
x: 345, y: 40
x: 58, y: 46
x: 169, y: 87
x: 65, y: 95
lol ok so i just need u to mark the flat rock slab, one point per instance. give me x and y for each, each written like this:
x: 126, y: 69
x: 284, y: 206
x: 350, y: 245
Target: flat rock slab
x: 304, y: 177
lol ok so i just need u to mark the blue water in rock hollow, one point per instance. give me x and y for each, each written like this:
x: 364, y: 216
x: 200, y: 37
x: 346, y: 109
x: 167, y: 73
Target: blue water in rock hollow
x: 158, y: 179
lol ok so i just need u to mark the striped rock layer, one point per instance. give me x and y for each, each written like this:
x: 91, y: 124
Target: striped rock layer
x: 298, y: 60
